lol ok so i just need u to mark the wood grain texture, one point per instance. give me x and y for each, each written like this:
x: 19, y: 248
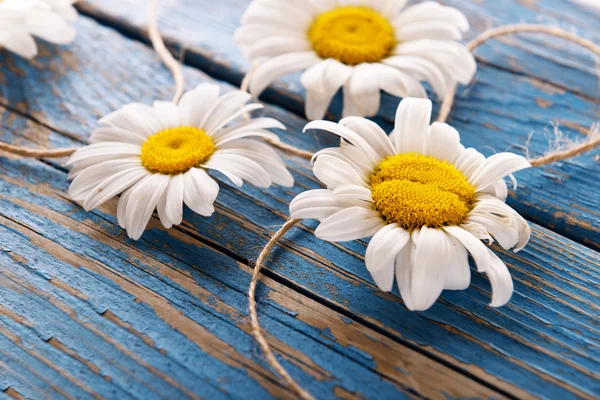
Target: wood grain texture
x: 524, y: 84
x: 95, y: 314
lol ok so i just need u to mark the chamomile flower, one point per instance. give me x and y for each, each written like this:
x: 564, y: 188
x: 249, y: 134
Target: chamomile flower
x: 158, y: 157
x: 425, y: 199
x: 361, y: 46
x: 22, y: 20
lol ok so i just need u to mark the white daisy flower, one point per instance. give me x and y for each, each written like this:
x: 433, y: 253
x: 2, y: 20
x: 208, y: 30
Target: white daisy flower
x: 157, y: 157
x: 21, y: 20
x: 361, y: 46
x: 424, y: 198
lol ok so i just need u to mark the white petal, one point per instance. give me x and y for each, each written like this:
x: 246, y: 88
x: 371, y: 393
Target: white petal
x: 168, y: 114
x: 350, y: 106
x: 497, y: 167
x: 488, y: 263
x: 195, y: 105
x: 497, y: 189
x: 174, y: 199
x: 391, y: 8
x: 431, y: 11
x: 142, y: 202
x: 17, y: 39
x: 381, y: 254
x: 358, y: 157
x: 322, y: 81
x: 274, y: 46
x: 468, y: 161
x: 364, y: 89
x: 264, y: 156
x: 274, y: 68
x: 280, y: 14
x: 200, y: 191
x: 253, y: 127
x: 334, y: 170
x: 225, y: 109
x: 114, y: 134
x: 353, y: 191
x: 122, y: 207
x: 241, y: 167
x: 99, y: 152
x: 135, y: 117
x: 90, y: 177
x: 412, y: 124
x: 252, y: 33
x: 459, y: 272
x: 444, y: 142
x: 113, y: 186
x: 347, y: 134
x: 437, y: 30
x: 50, y: 26
x: 434, y: 249
x: 504, y: 223
x: 317, y: 204
x: 350, y: 224
x: 322, y: 203
x: 452, y: 57
x: 405, y: 261
x: 372, y: 133
x: 422, y: 69
x: 398, y: 83
x: 161, y: 210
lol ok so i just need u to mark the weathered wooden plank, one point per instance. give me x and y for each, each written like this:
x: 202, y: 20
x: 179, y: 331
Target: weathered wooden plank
x: 556, y: 279
x: 500, y: 111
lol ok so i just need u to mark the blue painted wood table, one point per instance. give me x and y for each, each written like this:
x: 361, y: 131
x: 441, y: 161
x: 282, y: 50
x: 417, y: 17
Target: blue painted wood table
x: 87, y: 313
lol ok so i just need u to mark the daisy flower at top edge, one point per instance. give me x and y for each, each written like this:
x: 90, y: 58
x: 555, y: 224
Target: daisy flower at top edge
x: 425, y: 200
x: 361, y: 46
x: 157, y: 157
x: 21, y: 20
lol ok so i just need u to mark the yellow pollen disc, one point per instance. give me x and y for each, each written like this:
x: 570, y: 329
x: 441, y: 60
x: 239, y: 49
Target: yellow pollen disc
x: 352, y: 35
x: 176, y: 150
x: 414, y: 190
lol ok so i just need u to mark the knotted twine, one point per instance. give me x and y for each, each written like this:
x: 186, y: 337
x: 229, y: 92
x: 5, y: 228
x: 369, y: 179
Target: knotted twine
x: 592, y: 141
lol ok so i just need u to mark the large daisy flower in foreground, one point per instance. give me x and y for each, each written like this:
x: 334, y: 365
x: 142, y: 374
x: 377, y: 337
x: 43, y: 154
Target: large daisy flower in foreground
x: 157, y: 157
x: 361, y: 46
x: 21, y: 20
x: 424, y: 198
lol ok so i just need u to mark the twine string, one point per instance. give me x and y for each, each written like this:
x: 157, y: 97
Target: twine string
x: 443, y: 116
x: 256, y: 331
x: 590, y: 143
x: 165, y: 55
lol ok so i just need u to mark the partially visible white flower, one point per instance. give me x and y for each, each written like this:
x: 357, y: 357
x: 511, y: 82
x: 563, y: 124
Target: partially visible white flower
x: 21, y: 20
x: 65, y: 8
x: 424, y: 198
x: 157, y: 157
x: 361, y: 46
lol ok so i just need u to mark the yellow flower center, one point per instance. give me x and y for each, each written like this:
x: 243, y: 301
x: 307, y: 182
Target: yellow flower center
x: 352, y: 35
x: 174, y: 151
x: 414, y: 190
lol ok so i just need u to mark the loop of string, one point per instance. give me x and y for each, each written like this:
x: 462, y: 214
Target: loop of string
x: 591, y: 143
